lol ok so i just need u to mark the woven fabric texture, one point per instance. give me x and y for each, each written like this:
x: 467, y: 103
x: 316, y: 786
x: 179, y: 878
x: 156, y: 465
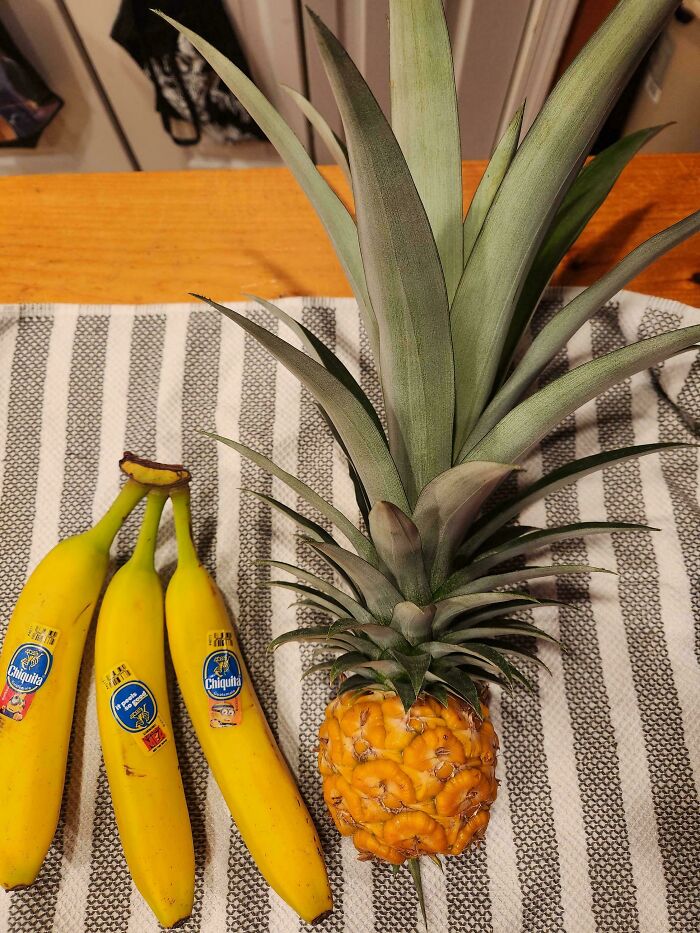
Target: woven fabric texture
x: 597, y: 824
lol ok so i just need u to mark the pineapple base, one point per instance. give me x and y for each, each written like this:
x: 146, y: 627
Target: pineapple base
x: 407, y: 784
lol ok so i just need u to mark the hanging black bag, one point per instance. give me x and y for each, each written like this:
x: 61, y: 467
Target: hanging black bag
x: 190, y: 97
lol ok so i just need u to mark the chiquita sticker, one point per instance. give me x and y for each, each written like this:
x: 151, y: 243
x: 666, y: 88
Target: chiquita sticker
x: 223, y: 682
x: 135, y: 708
x: 27, y: 672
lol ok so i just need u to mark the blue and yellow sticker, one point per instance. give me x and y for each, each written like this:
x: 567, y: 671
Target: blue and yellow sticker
x: 135, y: 707
x: 222, y: 677
x: 27, y: 672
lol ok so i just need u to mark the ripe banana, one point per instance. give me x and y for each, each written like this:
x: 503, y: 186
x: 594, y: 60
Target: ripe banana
x: 39, y: 666
x: 136, y: 731
x: 231, y: 727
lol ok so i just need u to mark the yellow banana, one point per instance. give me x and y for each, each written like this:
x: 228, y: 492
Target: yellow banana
x: 136, y: 731
x: 39, y: 667
x: 231, y: 727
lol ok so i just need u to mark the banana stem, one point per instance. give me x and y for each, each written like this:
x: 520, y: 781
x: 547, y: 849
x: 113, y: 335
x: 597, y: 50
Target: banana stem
x: 186, y: 552
x: 145, y: 550
x: 105, y: 530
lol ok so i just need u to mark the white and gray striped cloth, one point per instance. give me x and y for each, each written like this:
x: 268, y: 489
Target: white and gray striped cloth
x: 597, y: 823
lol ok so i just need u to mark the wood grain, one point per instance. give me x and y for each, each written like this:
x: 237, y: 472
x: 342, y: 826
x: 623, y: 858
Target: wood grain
x: 152, y: 237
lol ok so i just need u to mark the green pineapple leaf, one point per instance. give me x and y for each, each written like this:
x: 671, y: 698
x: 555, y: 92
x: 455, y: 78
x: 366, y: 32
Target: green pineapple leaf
x: 415, y: 665
x: 536, y: 540
x: 335, y: 145
x: 488, y: 525
x: 413, y: 622
x: 535, y: 417
x: 398, y: 544
x: 491, y: 181
x: 404, y: 279
x: 379, y: 593
x: 459, y: 584
x: 504, y: 628
x: 362, y: 545
x: 313, y: 529
x: 449, y: 607
x: 557, y: 333
x: 587, y: 193
x: 317, y: 349
x: 351, y: 606
x: 425, y: 120
x: 542, y: 170
x: 330, y: 209
x: 446, y: 508
x: 457, y: 681
x: 364, y: 441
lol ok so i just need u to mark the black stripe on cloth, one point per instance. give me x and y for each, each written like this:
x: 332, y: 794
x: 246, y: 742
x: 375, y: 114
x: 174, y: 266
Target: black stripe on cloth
x: 248, y: 903
x: 597, y: 763
x: 109, y: 891
x: 680, y: 467
x: 200, y: 385
x: 23, y: 441
x: 84, y: 413
x: 675, y: 796
x: 315, y: 467
x: 524, y: 763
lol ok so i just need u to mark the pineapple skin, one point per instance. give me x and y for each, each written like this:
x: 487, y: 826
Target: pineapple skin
x: 404, y: 785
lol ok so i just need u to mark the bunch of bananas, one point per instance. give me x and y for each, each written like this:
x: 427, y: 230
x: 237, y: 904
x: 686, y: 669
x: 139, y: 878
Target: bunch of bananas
x: 39, y: 667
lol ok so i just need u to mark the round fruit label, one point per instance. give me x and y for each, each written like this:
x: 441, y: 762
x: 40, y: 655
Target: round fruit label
x: 29, y: 668
x: 222, y: 675
x: 134, y: 706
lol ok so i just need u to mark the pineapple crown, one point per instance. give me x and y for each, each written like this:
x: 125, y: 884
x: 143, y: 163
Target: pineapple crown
x: 446, y: 301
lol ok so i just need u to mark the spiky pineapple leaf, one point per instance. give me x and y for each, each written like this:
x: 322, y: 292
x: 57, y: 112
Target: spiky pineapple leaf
x: 414, y: 869
x: 504, y: 628
x: 317, y: 668
x: 362, y: 545
x: 535, y: 540
x: 335, y: 145
x: 317, y: 349
x: 519, y: 603
x: 312, y: 528
x: 539, y: 176
x: 364, y: 441
x: 415, y: 665
x: 326, y: 203
x: 446, y: 508
x: 316, y: 633
x: 412, y: 621
x: 356, y: 683
x: 457, y: 682
x: 488, y: 524
x: 535, y: 417
x: 491, y: 181
x: 346, y: 662
x: 458, y: 654
x: 398, y: 544
x: 351, y: 606
x: 404, y: 279
x: 458, y: 585
x: 425, y: 120
x: 451, y: 606
x: 584, y: 197
x: 379, y: 594
x: 386, y: 637
x: 557, y: 332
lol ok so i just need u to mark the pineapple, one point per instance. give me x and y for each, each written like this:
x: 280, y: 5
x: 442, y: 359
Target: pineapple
x: 426, y: 609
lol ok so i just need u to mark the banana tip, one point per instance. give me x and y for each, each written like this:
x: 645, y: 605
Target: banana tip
x: 321, y: 917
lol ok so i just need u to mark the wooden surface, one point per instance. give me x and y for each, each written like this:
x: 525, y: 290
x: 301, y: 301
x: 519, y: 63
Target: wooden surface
x: 150, y: 237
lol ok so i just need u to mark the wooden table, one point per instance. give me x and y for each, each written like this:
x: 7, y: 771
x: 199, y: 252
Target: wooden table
x: 148, y: 237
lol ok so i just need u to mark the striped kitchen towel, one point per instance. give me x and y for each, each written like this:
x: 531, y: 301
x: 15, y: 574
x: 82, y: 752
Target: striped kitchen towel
x: 597, y: 823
